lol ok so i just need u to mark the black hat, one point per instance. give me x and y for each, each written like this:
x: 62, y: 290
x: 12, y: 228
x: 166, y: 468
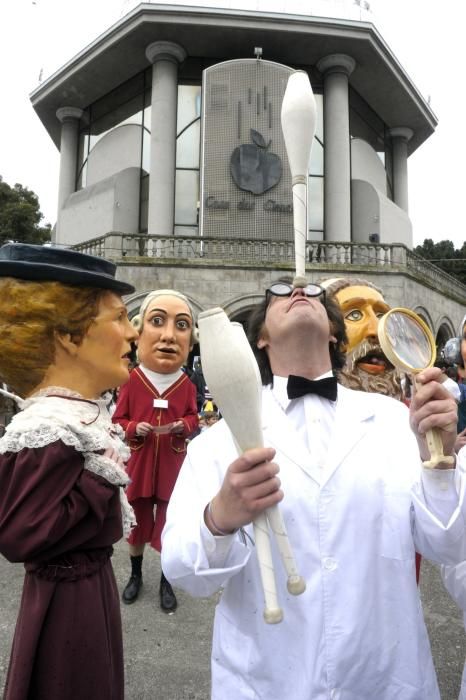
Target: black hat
x: 49, y: 264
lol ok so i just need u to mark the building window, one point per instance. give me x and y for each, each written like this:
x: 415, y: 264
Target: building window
x: 188, y: 139
x: 367, y: 125
x: 116, y: 135
x: 316, y: 179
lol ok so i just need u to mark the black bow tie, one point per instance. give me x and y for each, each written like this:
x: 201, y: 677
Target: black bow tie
x: 299, y: 386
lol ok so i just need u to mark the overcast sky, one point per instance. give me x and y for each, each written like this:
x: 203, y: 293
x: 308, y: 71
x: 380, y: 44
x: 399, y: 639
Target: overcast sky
x: 38, y: 36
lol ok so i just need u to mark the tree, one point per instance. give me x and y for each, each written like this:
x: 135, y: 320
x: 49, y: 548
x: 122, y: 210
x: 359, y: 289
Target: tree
x: 20, y: 215
x: 445, y: 256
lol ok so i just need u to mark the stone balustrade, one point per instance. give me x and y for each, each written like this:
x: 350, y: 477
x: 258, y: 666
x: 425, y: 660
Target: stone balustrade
x: 377, y: 257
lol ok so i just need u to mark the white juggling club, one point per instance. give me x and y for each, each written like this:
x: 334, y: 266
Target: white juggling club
x: 295, y: 583
x: 233, y: 378
x: 298, y: 117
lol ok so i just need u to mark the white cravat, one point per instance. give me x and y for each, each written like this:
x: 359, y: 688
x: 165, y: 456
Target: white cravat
x: 312, y: 417
x: 160, y: 381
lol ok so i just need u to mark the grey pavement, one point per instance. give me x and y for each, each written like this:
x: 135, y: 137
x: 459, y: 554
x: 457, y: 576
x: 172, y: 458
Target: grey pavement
x: 168, y: 655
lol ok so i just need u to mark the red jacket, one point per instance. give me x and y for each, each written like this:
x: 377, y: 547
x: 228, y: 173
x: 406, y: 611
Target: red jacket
x: 155, y: 459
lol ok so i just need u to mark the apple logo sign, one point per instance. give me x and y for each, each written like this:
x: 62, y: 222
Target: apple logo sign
x: 253, y: 168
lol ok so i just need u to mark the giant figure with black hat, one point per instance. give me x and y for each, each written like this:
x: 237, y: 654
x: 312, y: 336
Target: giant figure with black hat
x: 64, y: 339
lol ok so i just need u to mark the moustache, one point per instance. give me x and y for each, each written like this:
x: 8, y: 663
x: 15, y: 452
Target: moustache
x: 368, y: 350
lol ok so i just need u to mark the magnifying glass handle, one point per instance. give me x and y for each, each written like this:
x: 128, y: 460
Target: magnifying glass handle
x: 435, y: 445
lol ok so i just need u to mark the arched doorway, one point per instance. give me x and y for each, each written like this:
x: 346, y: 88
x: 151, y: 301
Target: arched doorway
x: 444, y: 333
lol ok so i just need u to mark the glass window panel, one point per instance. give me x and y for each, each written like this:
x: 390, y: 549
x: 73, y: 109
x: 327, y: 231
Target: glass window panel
x: 316, y: 203
x: 365, y: 123
x: 146, y: 151
x: 389, y: 171
x: 95, y: 138
x: 189, y: 105
x: 144, y: 204
x: 83, y: 146
x: 320, y: 117
x: 123, y: 105
x: 147, y: 115
x: 98, y: 128
x: 187, y: 147
x: 316, y: 165
x: 148, y: 93
x: 186, y: 197
x: 187, y: 231
x: 125, y: 94
x: 82, y: 177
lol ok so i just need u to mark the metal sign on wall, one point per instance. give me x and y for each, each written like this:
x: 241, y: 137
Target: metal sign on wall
x: 245, y: 177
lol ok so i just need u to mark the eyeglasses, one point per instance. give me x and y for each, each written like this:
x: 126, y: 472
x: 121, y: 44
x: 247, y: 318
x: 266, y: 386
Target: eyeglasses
x: 283, y: 289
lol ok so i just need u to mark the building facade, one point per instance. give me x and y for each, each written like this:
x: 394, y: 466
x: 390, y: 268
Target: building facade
x: 173, y: 164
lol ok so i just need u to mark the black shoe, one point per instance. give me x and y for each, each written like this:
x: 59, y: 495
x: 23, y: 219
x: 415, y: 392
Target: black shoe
x: 132, y: 589
x: 168, y: 601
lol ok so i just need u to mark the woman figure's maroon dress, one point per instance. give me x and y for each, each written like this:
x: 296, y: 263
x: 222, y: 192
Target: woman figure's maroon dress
x: 61, y: 511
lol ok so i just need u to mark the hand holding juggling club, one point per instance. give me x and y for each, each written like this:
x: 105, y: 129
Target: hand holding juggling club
x: 298, y: 117
x: 233, y: 378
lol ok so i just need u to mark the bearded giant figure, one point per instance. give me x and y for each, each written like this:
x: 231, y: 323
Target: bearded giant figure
x: 366, y: 368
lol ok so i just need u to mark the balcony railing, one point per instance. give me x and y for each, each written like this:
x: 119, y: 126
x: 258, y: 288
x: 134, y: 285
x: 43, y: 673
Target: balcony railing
x: 135, y: 249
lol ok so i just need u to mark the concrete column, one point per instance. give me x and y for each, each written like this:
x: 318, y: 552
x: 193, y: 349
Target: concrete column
x: 69, y: 118
x: 165, y: 57
x: 336, y: 69
x: 400, y: 136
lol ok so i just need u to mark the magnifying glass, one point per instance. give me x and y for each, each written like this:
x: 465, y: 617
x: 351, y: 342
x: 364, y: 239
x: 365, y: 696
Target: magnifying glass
x: 409, y: 345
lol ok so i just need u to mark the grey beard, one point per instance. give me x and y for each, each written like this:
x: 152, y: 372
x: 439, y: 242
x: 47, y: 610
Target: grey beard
x: 387, y: 383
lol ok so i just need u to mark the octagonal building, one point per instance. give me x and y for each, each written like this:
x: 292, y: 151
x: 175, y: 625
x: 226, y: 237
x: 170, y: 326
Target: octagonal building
x: 172, y: 161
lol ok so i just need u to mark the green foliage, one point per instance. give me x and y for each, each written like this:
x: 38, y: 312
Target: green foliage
x: 20, y: 215
x: 444, y: 255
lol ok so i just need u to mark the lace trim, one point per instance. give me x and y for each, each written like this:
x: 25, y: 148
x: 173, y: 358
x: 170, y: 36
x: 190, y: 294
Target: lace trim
x: 46, y: 419
x: 106, y: 468
x: 109, y: 470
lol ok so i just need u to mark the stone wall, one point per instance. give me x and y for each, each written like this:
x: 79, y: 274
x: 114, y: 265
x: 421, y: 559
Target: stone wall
x: 237, y: 289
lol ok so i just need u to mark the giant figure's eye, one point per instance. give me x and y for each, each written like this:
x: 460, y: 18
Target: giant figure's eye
x: 354, y: 315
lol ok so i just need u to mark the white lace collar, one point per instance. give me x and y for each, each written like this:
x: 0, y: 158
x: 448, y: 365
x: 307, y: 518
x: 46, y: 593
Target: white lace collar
x: 56, y: 413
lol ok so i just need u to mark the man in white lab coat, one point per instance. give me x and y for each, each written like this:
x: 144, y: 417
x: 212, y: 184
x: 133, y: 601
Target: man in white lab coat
x: 357, y: 503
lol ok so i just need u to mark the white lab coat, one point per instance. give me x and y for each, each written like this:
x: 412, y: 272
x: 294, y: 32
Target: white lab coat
x: 357, y: 633
x: 454, y: 578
